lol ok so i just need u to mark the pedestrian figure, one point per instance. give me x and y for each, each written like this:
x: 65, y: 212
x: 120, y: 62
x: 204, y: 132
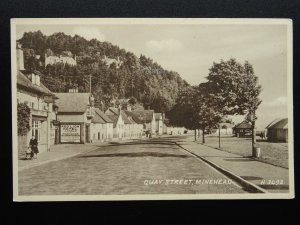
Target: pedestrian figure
x: 33, y: 144
x: 28, y: 153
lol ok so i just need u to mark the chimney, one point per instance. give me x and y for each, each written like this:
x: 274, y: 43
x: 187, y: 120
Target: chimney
x: 37, y: 80
x: 32, y: 78
x: 20, y: 57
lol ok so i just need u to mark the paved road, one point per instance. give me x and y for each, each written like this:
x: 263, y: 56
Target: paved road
x: 156, y: 166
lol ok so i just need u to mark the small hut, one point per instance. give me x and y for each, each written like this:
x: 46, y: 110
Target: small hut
x: 243, y: 129
x: 277, y: 130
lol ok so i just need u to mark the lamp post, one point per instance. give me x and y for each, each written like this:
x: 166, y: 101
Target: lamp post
x: 255, y: 150
x: 55, y: 107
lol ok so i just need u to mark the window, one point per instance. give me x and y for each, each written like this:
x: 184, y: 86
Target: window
x: 36, y: 129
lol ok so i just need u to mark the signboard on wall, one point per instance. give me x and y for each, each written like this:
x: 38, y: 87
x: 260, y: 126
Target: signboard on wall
x: 70, y: 133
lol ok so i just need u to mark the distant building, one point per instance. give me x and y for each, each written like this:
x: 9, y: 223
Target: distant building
x: 109, y: 61
x: 51, y: 60
x: 101, y: 127
x: 137, y: 127
x: 225, y: 129
x: 147, y: 117
x: 159, y: 118
x: 242, y: 129
x: 118, y: 122
x: 75, y: 114
x: 41, y: 102
x: 277, y: 130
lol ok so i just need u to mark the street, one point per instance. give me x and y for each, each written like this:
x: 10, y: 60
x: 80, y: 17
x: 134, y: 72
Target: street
x: 155, y: 166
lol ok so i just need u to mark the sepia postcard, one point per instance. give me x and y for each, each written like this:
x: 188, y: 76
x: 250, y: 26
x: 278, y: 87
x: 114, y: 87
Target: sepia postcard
x: 152, y: 109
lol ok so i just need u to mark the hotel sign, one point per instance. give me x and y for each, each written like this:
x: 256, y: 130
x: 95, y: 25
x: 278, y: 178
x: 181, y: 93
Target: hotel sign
x: 70, y: 133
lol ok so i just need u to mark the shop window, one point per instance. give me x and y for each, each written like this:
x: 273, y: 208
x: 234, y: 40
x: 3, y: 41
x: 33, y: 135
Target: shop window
x: 36, y: 130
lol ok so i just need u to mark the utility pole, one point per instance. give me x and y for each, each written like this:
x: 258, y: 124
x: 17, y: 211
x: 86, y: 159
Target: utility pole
x: 219, y: 136
x: 90, y: 83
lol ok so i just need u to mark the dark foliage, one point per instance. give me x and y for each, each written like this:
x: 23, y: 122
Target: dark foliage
x: 137, y: 77
x: 23, y: 119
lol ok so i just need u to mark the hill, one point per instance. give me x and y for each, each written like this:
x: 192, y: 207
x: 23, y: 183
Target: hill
x: 115, y: 72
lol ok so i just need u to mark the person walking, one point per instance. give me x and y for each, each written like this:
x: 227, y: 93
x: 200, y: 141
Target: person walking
x: 34, y: 147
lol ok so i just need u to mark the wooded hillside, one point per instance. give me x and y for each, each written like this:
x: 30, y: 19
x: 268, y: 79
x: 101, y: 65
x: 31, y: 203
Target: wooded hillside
x: 137, y: 77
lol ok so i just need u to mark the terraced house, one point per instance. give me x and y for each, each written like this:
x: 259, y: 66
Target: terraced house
x: 41, y: 102
x: 102, y: 127
x: 147, y: 118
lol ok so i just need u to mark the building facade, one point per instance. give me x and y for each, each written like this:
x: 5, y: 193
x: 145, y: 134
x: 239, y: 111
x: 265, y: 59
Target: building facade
x: 41, y: 102
x: 147, y: 117
x: 102, y: 127
x: 159, y: 123
x: 118, y: 123
x: 243, y: 129
x: 277, y: 131
x: 75, y: 114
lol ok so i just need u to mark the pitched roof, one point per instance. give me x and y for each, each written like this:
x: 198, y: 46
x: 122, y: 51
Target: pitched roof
x: 158, y: 116
x: 97, y: 118
x: 133, y: 116
x: 103, y: 116
x: 72, y: 102
x: 243, y: 125
x: 24, y: 82
x: 100, y: 117
x: 145, y: 116
x: 273, y: 122
x: 112, y: 111
x: 115, y: 111
x: 126, y: 118
x: 281, y: 124
x: 113, y: 118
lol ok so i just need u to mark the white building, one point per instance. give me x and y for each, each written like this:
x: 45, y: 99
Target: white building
x: 102, y: 126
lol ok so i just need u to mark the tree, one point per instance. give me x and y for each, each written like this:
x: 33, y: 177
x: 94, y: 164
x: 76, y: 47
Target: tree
x: 194, y: 109
x: 23, y: 119
x: 236, y: 90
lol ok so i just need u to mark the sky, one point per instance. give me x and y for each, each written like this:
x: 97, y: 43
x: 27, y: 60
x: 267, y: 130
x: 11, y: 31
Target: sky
x: 191, y: 49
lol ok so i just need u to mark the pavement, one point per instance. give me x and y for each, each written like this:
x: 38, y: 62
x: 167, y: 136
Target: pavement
x: 63, y: 151
x: 266, y: 176
x: 57, y: 152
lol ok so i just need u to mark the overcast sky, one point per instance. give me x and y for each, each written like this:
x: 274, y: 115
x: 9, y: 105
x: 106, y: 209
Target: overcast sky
x: 191, y: 50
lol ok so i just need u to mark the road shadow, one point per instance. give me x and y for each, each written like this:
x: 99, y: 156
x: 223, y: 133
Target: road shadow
x: 135, y: 154
x: 111, y: 144
x: 159, y: 147
x: 239, y: 159
x: 262, y: 140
